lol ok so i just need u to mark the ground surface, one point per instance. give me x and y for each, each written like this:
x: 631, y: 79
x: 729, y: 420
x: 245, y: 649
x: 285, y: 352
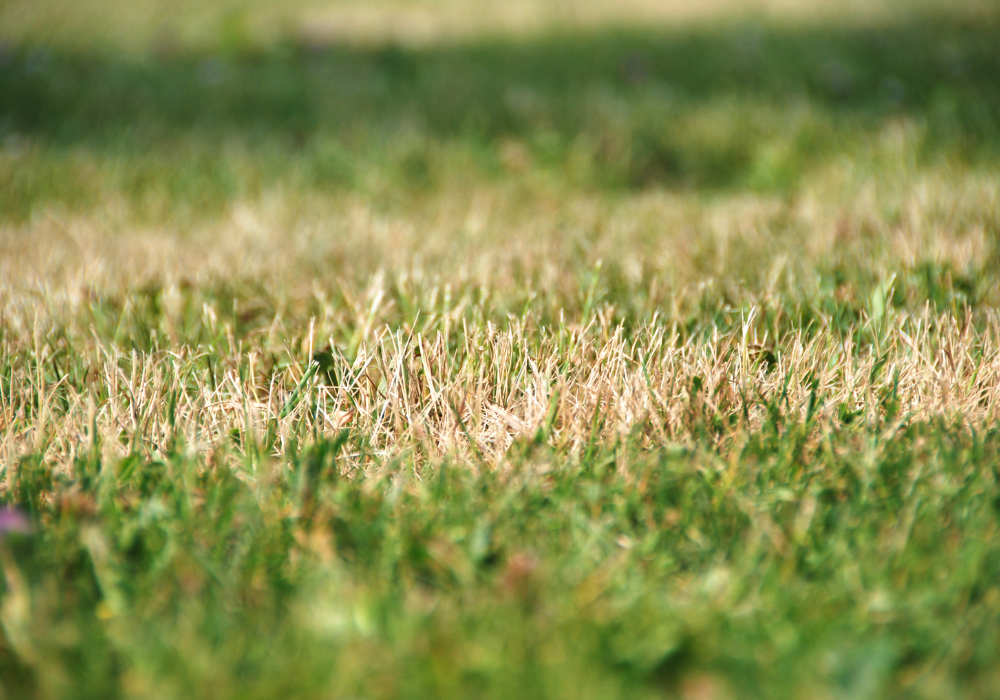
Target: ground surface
x: 429, y: 350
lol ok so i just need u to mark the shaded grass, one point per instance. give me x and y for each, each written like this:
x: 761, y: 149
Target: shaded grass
x: 747, y: 106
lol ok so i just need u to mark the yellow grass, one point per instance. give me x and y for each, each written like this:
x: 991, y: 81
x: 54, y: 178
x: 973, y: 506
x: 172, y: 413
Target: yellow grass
x: 457, y: 250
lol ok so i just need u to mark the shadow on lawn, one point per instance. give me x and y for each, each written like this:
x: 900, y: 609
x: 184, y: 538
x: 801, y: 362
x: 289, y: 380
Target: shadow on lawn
x: 744, y: 105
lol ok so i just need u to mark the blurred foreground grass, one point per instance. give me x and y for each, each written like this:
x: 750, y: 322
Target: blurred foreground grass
x: 559, y: 351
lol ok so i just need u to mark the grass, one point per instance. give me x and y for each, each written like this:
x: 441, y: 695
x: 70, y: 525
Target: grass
x: 651, y: 359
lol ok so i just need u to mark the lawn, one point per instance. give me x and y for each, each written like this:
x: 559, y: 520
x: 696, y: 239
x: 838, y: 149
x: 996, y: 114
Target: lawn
x: 443, y: 349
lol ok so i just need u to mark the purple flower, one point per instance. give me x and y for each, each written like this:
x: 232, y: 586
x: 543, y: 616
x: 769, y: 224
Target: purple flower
x: 13, y: 519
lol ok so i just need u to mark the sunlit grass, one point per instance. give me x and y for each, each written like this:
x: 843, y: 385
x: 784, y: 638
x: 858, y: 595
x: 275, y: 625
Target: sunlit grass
x: 533, y: 353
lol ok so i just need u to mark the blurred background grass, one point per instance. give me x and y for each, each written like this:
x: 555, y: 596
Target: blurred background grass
x: 179, y: 110
x: 814, y: 149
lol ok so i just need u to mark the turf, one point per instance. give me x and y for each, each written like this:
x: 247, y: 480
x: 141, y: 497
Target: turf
x: 645, y: 358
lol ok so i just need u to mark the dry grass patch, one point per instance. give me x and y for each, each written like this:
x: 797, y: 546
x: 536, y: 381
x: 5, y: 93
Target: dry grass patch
x: 577, y: 362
